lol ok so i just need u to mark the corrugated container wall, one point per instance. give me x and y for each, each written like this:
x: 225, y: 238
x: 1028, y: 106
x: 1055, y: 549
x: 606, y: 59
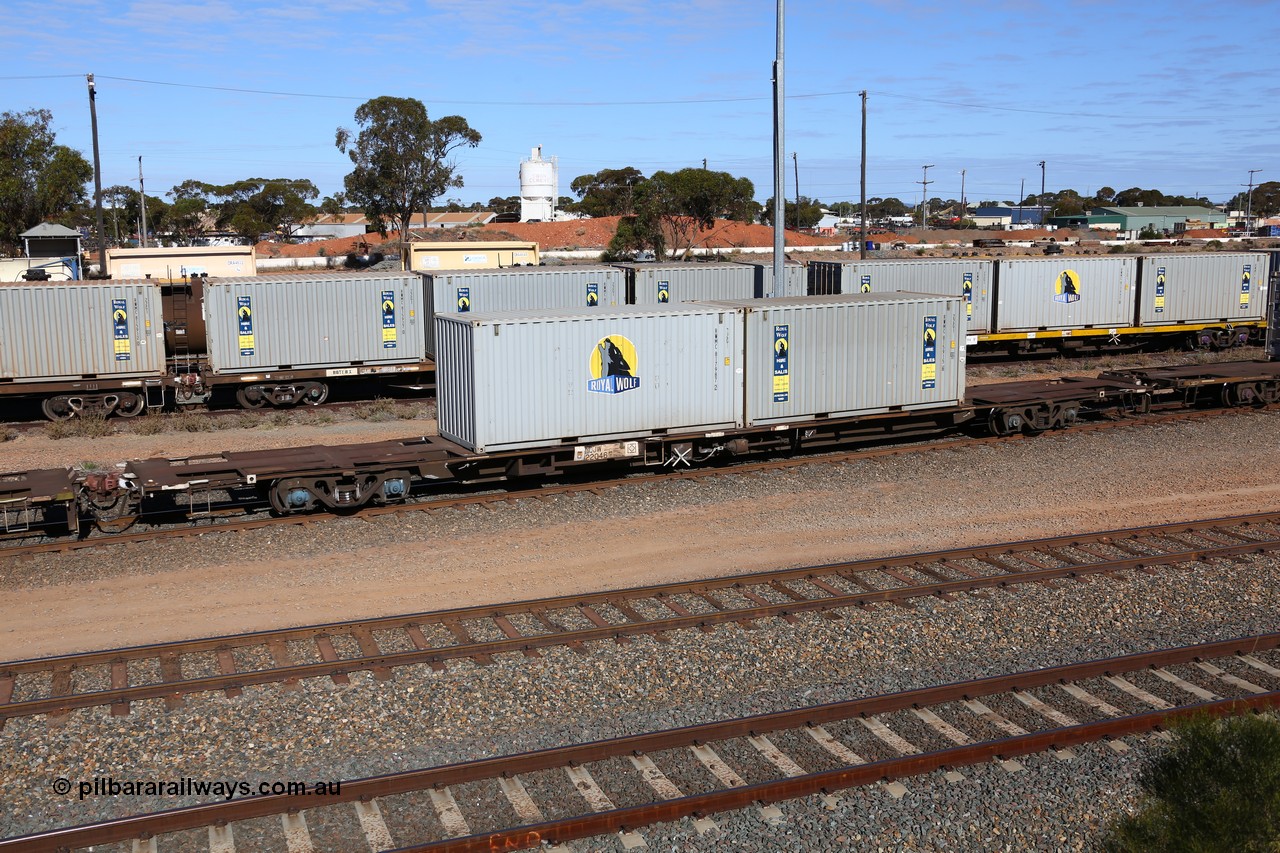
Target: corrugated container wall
x: 1065, y: 293
x: 1210, y: 288
x: 303, y: 322
x: 542, y: 378
x: 81, y: 330
x: 968, y: 279
x: 522, y: 288
x: 660, y: 284
x: 794, y: 281
x: 855, y: 354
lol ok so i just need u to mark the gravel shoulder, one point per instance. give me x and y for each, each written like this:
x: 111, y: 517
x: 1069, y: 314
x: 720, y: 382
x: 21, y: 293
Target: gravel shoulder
x: 348, y: 568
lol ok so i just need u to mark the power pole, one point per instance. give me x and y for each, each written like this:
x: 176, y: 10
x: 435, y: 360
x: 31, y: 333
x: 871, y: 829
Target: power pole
x: 1041, y: 194
x: 796, y: 162
x: 924, y: 196
x: 779, y: 154
x: 1022, y: 194
x: 964, y: 208
x: 97, y: 181
x: 142, y: 207
x: 1248, y: 210
x: 862, y: 244
x: 704, y: 164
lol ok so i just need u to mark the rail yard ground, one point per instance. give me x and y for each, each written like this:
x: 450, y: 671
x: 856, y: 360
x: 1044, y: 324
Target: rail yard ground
x: 1059, y: 483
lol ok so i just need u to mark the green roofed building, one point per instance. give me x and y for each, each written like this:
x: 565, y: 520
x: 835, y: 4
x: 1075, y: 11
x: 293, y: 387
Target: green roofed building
x: 1135, y: 219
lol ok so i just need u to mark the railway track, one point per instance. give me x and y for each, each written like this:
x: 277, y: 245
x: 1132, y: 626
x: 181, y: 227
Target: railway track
x: 221, y: 519
x: 169, y: 671
x: 551, y: 796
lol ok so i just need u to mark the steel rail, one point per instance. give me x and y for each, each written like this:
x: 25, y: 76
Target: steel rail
x: 195, y: 817
x: 439, y: 654
x: 917, y: 444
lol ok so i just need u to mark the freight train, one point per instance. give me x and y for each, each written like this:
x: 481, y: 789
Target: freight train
x: 554, y: 391
x: 127, y: 347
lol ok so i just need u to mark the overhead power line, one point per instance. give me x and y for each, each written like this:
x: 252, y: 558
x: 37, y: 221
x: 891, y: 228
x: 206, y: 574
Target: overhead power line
x: 639, y: 103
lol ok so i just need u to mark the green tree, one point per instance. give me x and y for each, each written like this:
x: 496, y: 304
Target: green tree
x: 1266, y: 199
x: 123, y: 203
x: 810, y: 213
x: 683, y: 205
x: 39, y: 179
x: 509, y: 204
x: 334, y: 204
x: 258, y: 206
x: 636, y: 234
x: 609, y: 192
x: 1217, y: 788
x: 401, y: 158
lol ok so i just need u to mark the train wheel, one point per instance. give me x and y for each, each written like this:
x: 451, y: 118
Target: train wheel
x: 1244, y: 394
x: 1269, y: 392
x: 57, y: 408
x: 131, y: 405
x: 316, y: 393
x: 250, y: 397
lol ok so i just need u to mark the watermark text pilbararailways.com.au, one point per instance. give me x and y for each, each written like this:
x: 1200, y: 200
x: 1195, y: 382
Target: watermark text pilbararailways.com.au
x: 226, y: 789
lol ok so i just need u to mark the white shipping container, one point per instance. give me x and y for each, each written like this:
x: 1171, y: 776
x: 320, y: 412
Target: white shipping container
x: 521, y: 288
x: 81, y: 330
x: 1222, y: 287
x: 1065, y: 293
x: 819, y: 357
x: 325, y: 321
x: 970, y: 279
x: 794, y: 281
x: 663, y: 284
x: 544, y: 378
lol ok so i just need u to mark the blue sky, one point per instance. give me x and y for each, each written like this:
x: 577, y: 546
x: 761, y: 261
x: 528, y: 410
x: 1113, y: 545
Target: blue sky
x: 1179, y: 96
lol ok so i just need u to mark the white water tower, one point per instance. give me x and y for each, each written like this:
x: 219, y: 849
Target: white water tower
x: 539, y: 187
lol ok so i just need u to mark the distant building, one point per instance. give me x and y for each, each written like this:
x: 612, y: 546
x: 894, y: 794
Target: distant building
x: 539, y: 187
x: 328, y: 226
x: 1132, y: 220
x: 1002, y: 216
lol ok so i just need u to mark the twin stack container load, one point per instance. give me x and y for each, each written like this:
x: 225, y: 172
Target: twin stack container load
x: 1222, y: 287
x: 520, y: 288
x: 666, y: 283
x: 527, y: 379
x: 1060, y: 293
x: 336, y: 323
x: 816, y: 357
x: 971, y: 280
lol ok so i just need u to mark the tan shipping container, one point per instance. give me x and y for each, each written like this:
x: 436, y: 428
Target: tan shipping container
x: 430, y: 256
x: 167, y: 264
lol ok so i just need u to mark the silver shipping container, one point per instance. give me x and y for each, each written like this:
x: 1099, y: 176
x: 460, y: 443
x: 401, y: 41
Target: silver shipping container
x: 1065, y: 293
x: 661, y: 284
x: 324, y: 321
x: 521, y: 288
x: 970, y: 279
x: 794, y: 281
x: 1209, y: 288
x: 818, y: 357
x: 81, y: 330
x: 545, y: 378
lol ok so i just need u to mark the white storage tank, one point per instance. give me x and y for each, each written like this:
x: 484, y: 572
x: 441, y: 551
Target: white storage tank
x: 539, y: 187
x: 817, y: 357
x: 548, y: 378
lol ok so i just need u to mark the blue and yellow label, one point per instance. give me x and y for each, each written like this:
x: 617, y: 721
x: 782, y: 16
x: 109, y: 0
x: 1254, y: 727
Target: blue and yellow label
x: 123, y: 347
x: 614, y: 367
x: 388, y: 319
x: 463, y: 300
x: 1066, y: 287
x: 593, y: 295
x: 781, y: 364
x: 966, y: 288
x: 244, y: 319
x: 865, y: 285
x: 1246, y: 277
x: 929, y: 358
x: 1161, y: 279
x: 664, y: 291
